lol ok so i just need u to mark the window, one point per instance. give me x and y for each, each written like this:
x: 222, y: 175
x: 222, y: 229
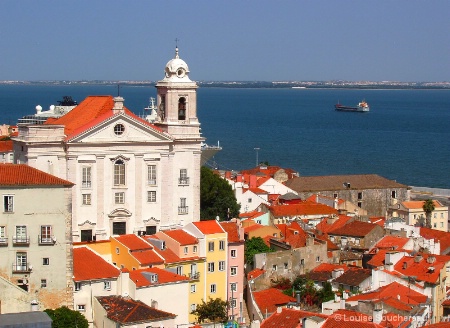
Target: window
x: 119, y: 129
x: 221, y: 265
x: 119, y: 228
x: 233, y: 287
x: 274, y: 267
x: 222, y: 245
x: 86, y: 177
x: 119, y: 173
x: 81, y: 307
x: 211, y: 267
x: 335, y: 195
x: 119, y: 198
x: 107, y: 285
x: 21, y: 235
x: 359, y: 204
x: 302, y: 261
x: 180, y: 270
x: 394, y: 194
x: 8, y: 203
x: 194, y: 249
x: 193, y: 288
x: 186, y: 249
x: 233, y: 253
x: 21, y: 261
x: 249, y: 200
x: 46, y: 235
x: 77, y: 286
x: 213, y: 288
x: 233, y: 271
x: 184, y: 180
x: 46, y: 261
x: 150, y: 230
x: 182, y: 209
x: 117, y: 250
x: 286, y: 265
x: 151, y: 175
x: 182, y: 108
x: 442, y: 224
x: 151, y: 196
x: 318, y: 259
x: 86, y: 235
x: 193, y: 307
x: 233, y: 303
x: 211, y: 246
x: 43, y: 283
x: 3, y: 238
x: 360, y: 195
x: 86, y: 199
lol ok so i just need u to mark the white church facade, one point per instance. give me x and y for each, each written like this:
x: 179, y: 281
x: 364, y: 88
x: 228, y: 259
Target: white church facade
x: 130, y: 175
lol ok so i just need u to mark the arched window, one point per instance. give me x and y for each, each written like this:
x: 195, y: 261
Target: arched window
x: 182, y: 109
x: 119, y: 173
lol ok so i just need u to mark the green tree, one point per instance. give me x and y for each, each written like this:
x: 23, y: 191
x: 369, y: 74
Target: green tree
x: 64, y: 317
x: 255, y: 245
x: 216, y: 197
x: 428, y: 207
x: 326, y: 293
x: 215, y: 310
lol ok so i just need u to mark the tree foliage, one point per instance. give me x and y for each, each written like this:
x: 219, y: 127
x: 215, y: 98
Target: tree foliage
x: 64, y: 317
x: 216, y: 197
x: 428, y: 207
x: 255, y: 245
x: 215, y: 310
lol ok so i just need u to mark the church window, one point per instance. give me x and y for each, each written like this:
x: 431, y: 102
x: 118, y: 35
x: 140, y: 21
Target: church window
x: 119, y: 173
x: 151, y: 196
x: 184, y: 179
x: 182, y: 109
x: 119, y: 228
x: 162, y: 107
x: 151, y: 175
x: 119, y: 197
x: 119, y: 129
x: 86, y: 177
x: 86, y: 199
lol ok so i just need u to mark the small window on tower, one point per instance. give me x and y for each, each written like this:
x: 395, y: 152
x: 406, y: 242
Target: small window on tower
x: 182, y: 109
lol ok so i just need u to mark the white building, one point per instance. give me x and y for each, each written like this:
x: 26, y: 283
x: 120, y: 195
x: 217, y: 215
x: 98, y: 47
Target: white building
x: 130, y: 176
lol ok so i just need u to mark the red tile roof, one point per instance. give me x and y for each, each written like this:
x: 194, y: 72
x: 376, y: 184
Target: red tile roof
x: 128, y: 311
x: 24, y: 175
x: 133, y: 242
x: 268, y: 299
x: 349, y: 319
x: 392, y: 242
x: 232, y: 230
x: 353, y: 276
x: 269, y: 171
x: 328, y: 267
x: 442, y: 236
x: 89, y: 266
x: 181, y: 236
x: 255, y: 273
x: 164, y: 277
x: 421, y: 269
x: 354, y: 229
x: 209, y: 227
x: 302, y: 209
x: 418, y: 204
x: 147, y: 257
x: 325, y: 227
x: 6, y: 146
x: 90, y: 112
x: 289, y: 318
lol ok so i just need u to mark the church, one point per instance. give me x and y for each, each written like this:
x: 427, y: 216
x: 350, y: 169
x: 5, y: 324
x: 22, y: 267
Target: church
x: 130, y: 175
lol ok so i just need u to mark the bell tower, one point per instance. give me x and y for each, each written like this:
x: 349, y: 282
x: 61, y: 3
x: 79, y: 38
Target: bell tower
x: 177, y: 102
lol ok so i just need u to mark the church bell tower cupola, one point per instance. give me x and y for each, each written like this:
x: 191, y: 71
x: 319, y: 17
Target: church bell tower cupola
x: 177, y: 101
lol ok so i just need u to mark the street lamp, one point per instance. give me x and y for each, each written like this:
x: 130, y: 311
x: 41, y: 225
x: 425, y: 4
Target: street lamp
x: 256, y: 155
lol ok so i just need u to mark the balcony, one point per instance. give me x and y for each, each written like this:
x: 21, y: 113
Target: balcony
x: 194, y: 275
x: 3, y: 241
x: 21, y: 240
x: 183, y: 181
x: 183, y: 210
x: 151, y: 182
x: 21, y: 268
x: 46, y: 240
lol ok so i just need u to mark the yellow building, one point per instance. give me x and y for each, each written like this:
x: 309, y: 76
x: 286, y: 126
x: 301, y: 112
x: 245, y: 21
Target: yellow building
x: 213, y: 246
x: 413, y: 213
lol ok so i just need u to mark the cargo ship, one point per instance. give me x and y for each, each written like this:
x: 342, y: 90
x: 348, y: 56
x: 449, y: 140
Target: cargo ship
x: 362, y: 107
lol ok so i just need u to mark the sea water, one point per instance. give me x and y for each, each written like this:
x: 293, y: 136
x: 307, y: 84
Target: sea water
x: 405, y: 136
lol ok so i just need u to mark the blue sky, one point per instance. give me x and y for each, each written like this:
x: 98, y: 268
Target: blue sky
x: 403, y: 40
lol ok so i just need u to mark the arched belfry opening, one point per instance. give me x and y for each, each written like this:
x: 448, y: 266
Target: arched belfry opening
x: 182, y: 109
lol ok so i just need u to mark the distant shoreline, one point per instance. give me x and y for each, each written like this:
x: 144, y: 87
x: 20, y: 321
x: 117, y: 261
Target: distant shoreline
x: 298, y: 85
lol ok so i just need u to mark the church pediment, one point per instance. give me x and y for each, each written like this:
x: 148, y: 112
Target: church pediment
x: 120, y: 212
x: 151, y: 220
x: 121, y: 128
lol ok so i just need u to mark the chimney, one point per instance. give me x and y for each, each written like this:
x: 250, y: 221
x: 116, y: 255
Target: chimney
x: 118, y: 105
x: 252, y: 181
x: 34, y: 305
x: 377, y: 314
x: 279, y: 309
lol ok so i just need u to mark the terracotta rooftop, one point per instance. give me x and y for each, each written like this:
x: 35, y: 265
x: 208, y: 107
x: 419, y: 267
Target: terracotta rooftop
x: 442, y: 236
x: 354, y: 229
x: 233, y: 231
x: 306, y: 208
x: 349, y: 319
x: 128, y: 311
x: 89, y: 266
x: 140, y: 278
x: 181, y: 236
x: 24, y: 175
x: 209, y: 227
x: 325, y: 227
x: 353, y: 276
x: 133, y: 242
x: 289, y: 318
x: 255, y: 273
x: 269, y: 171
x: 339, y: 182
x: 424, y: 267
x: 6, y: 146
x: 268, y: 299
x: 392, y: 242
x: 418, y: 204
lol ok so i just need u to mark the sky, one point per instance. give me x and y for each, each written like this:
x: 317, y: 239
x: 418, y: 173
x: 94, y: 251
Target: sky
x: 260, y: 40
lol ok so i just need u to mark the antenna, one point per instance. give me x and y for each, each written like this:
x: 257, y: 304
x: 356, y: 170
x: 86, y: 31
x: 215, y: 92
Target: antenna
x: 176, y: 42
x: 118, y: 90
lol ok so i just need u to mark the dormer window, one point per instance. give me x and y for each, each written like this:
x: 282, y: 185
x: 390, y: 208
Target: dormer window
x: 182, y: 109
